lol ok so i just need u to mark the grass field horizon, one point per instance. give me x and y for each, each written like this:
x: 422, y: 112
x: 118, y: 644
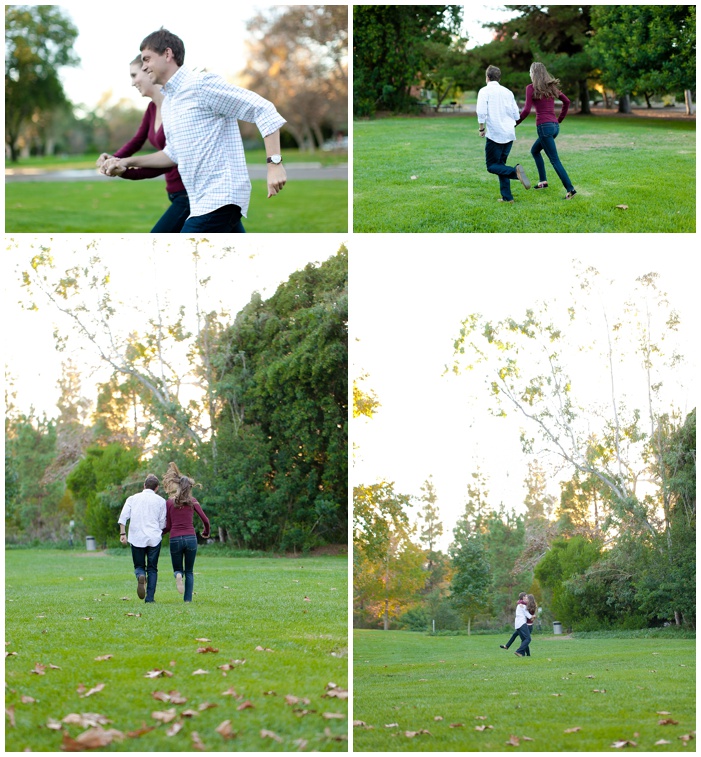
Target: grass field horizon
x: 423, y: 175
x: 415, y: 692
x: 79, y: 642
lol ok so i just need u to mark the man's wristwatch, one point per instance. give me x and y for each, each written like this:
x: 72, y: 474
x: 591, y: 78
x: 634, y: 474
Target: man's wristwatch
x: 274, y: 159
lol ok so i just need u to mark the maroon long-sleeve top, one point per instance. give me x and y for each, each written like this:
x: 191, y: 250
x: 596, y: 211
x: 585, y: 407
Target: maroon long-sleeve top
x: 179, y: 519
x: 544, y: 108
x: 157, y: 138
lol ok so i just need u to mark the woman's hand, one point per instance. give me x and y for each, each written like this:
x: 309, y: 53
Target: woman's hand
x: 105, y: 156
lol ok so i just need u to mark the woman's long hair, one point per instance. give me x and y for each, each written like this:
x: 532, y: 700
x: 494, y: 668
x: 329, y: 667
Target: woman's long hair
x: 544, y: 85
x: 179, y: 487
x: 531, y: 605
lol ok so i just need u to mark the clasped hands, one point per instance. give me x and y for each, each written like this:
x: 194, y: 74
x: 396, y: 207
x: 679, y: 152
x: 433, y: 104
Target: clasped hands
x: 110, y: 166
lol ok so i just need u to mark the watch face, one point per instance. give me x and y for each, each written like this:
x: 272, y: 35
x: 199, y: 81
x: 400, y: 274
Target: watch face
x: 276, y: 158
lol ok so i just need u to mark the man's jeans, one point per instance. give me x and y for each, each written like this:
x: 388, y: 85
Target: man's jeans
x: 146, y: 564
x: 183, y: 550
x: 547, y: 133
x: 171, y: 222
x: 525, y: 634
x: 496, y: 155
x: 224, y: 220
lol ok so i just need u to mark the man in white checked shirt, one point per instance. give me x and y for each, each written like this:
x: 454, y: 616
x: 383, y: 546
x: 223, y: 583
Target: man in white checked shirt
x: 200, y: 120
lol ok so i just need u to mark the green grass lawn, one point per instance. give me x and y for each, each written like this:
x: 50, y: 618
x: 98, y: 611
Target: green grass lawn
x: 429, y: 175
x: 450, y: 686
x: 121, y: 207
x: 65, y: 609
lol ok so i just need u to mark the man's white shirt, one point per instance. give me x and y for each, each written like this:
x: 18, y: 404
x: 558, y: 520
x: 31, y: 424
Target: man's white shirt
x: 200, y: 120
x: 522, y: 615
x: 496, y: 107
x: 146, y: 513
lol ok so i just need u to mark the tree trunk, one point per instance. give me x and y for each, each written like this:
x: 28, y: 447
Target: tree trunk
x: 222, y: 535
x: 687, y: 101
x: 584, y: 97
x: 624, y: 104
x: 469, y: 624
x: 385, y: 617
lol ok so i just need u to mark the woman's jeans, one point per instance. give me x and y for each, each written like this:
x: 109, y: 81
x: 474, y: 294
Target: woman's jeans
x: 183, y: 550
x: 525, y: 634
x: 171, y: 222
x: 547, y: 134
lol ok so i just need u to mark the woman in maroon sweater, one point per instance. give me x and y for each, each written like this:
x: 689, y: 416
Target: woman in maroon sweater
x: 541, y: 94
x: 180, y: 510
x: 171, y: 222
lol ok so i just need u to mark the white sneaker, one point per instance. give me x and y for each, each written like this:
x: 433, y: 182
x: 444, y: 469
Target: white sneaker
x: 179, y: 582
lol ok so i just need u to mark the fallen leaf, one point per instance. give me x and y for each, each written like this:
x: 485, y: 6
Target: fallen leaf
x: 176, y: 697
x: 438, y: 718
x: 556, y: 695
x: 27, y: 700
x: 270, y: 735
x: 158, y: 674
x: 189, y: 714
x: 93, y: 738
x: 161, y: 696
x: 302, y: 713
x: 622, y: 207
x: 590, y: 676
x: 175, y: 728
x: 165, y: 716
x: 668, y: 721
x: 126, y: 599
x: 661, y: 742
x: 54, y: 725
x: 247, y: 705
x: 456, y: 725
x: 513, y: 741
x: 599, y: 691
x: 10, y: 654
x: 197, y: 741
x: 662, y: 712
x: 687, y: 736
x: 391, y: 725
x: 10, y: 712
x: 203, y: 640
x: 269, y: 693
x: 291, y: 700
x: 140, y: 731
x: 263, y: 649
x: 526, y: 738
x: 335, y: 737
x: 103, y: 657
x: 207, y: 706
x: 480, y: 717
x: 87, y: 618
x: 229, y: 693
x: 81, y: 689
x: 224, y: 730
x: 333, y: 715
x: 204, y: 650
x: 411, y: 734
x: 300, y: 744
x: 200, y: 672
x: 86, y: 719
x: 39, y: 669
x: 94, y: 690
x: 623, y: 742
x: 338, y: 693
x: 133, y: 614
x: 480, y: 727
x: 573, y: 730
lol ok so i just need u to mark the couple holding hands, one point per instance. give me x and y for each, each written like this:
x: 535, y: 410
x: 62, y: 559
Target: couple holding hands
x: 150, y: 516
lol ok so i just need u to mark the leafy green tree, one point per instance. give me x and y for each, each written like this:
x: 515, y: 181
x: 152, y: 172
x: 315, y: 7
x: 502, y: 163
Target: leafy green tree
x: 645, y: 49
x: 100, y: 482
x: 39, y: 40
x: 389, y: 51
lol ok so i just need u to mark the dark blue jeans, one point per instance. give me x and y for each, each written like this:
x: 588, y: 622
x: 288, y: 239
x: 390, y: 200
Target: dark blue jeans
x: 525, y: 634
x: 547, y: 133
x: 146, y: 564
x: 183, y: 550
x: 496, y: 155
x: 224, y: 220
x: 171, y: 222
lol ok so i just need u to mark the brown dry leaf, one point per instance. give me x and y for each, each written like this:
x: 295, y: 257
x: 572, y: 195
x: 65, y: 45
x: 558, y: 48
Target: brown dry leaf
x: 54, y: 725
x: 189, y: 714
x: 81, y: 689
x: 329, y: 735
x: 688, y: 736
x: 161, y: 696
x: 264, y: 734
x: 263, y: 649
x: 204, y: 641
x: 599, y: 691
x: 338, y: 693
x: 197, y: 742
x: 207, y: 706
x: 333, y: 715
x: 623, y: 742
x: 10, y: 654
x: 270, y: 693
x: 86, y: 719
x: 668, y: 721
x: 662, y: 712
x: 302, y: 713
x: 165, y: 716
x: 556, y: 695
x: 27, y: 700
x: 200, y: 672
x: 662, y: 742
x: 93, y: 738
x: 438, y: 718
x: 204, y: 650
x: 456, y: 725
x: 140, y: 731
x: 359, y: 724
x: 176, y: 697
x: 229, y: 692
x: 94, y: 690
x: 175, y: 728
x: 292, y: 700
x: 225, y: 731
x: 590, y: 676
x: 573, y: 730
x: 306, y: 599
x: 10, y: 712
x: 39, y: 669
x: 411, y: 734
x: 622, y: 207
x: 480, y: 727
x: 526, y: 738
x: 480, y: 717
x: 247, y: 705
x: 300, y: 744
x: 391, y: 725
x: 513, y: 741
x: 126, y: 599
x: 158, y: 673
x: 103, y: 657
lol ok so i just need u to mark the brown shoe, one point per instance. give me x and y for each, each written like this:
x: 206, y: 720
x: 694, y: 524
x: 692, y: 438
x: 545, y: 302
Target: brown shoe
x: 501, y: 199
x: 141, y: 586
x: 521, y: 174
x: 518, y: 654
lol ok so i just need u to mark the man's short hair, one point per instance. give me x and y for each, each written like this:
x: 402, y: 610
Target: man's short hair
x: 161, y: 40
x: 493, y: 73
x: 151, y: 482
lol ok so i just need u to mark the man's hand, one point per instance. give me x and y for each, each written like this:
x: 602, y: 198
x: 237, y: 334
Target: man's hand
x: 483, y: 131
x: 123, y: 538
x: 104, y: 157
x: 113, y: 167
x: 277, y: 178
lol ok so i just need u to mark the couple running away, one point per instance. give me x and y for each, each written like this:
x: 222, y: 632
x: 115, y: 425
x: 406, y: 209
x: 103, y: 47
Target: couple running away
x: 150, y: 516
x: 525, y: 613
x: 498, y: 115
x: 192, y: 121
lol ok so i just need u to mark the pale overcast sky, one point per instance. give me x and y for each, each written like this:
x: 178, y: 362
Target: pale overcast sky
x: 409, y: 294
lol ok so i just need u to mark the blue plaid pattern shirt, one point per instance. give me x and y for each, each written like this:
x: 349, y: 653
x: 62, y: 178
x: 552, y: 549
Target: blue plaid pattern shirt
x: 200, y: 119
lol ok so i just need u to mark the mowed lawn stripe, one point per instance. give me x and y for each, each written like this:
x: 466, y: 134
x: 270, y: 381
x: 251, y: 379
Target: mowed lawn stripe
x: 67, y: 608
x: 409, y: 679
